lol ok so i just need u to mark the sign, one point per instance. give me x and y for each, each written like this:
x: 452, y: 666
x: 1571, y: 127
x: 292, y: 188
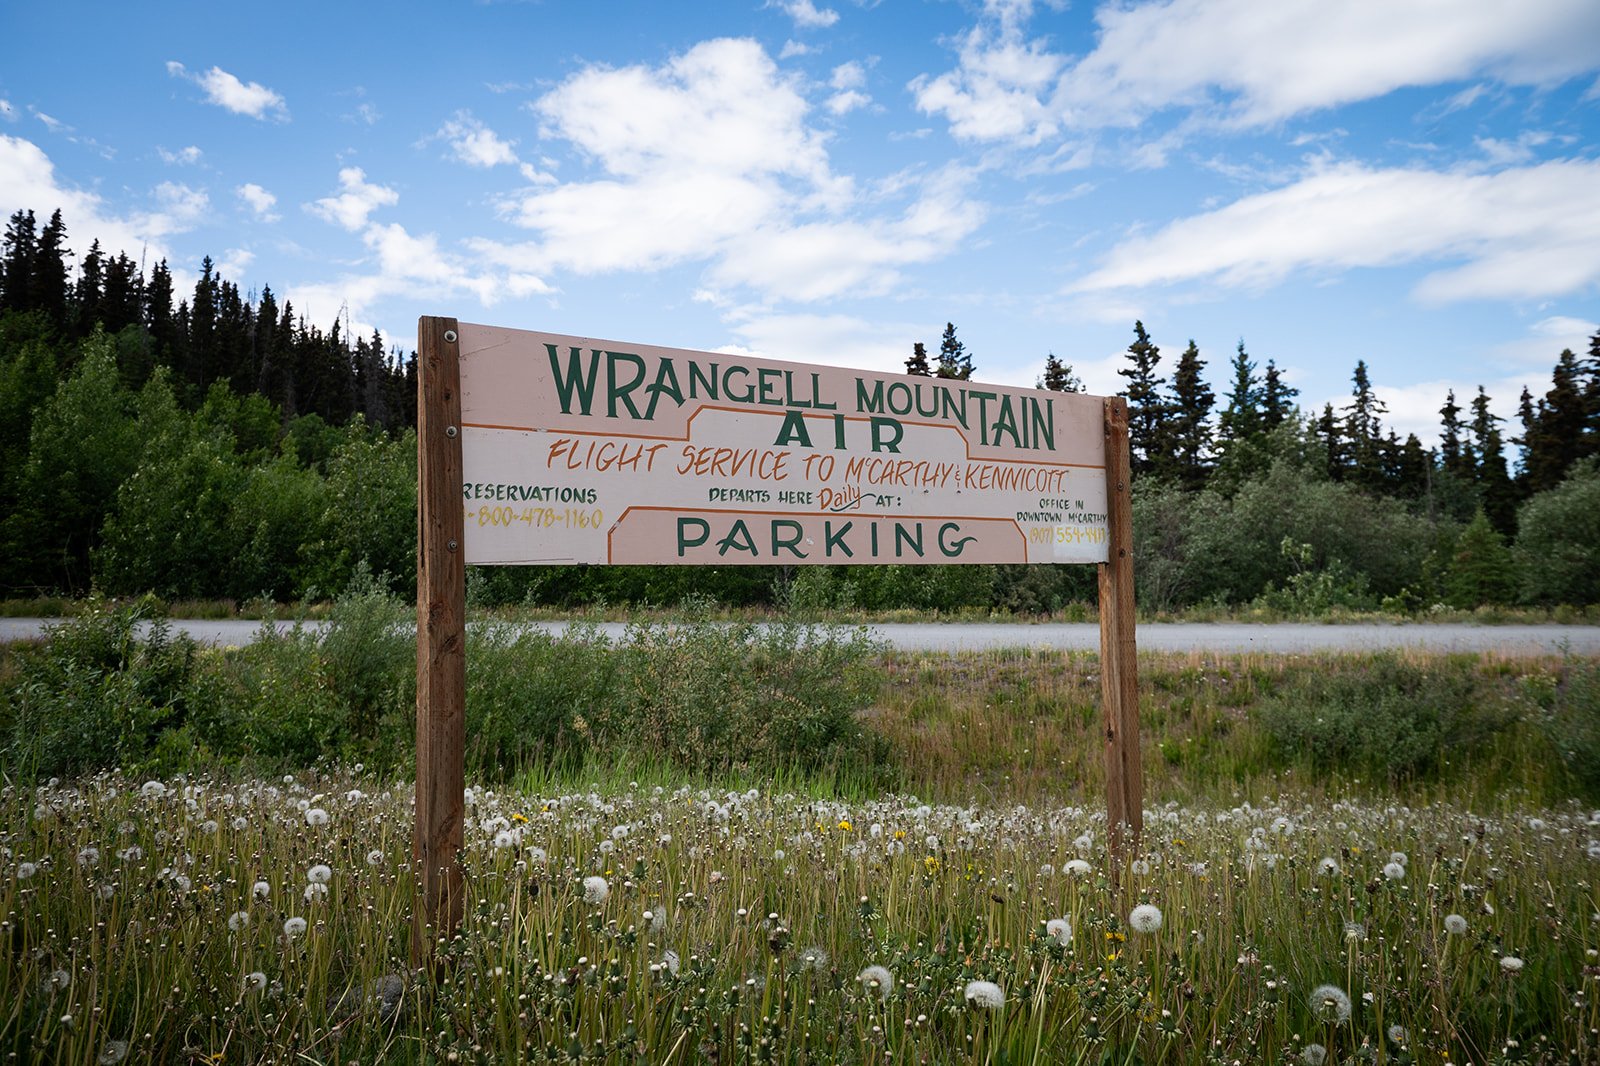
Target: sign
x: 577, y: 450
x: 537, y: 448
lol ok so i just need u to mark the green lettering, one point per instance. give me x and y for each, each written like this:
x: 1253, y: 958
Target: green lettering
x: 792, y: 542
x: 881, y: 441
x: 684, y: 524
x: 832, y: 540
x: 738, y: 539
x: 666, y: 382
x: 793, y: 429
x: 573, y: 380
x: 620, y: 391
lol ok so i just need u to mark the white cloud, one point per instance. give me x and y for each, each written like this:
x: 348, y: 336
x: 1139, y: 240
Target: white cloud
x: 182, y: 157
x: 807, y: 16
x: 710, y: 158
x: 795, y: 48
x: 1500, y: 152
x: 848, y: 80
x: 1521, y: 233
x: 358, y: 200
x: 228, y: 92
x: 1544, y: 342
x: 476, y: 144
x: 259, y: 200
x: 998, y: 90
x: 1247, y: 64
x: 7, y: 112
x: 829, y: 340
x: 183, y: 205
x: 28, y: 180
x: 235, y: 261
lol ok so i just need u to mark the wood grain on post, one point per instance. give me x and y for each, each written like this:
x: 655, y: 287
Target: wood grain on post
x: 441, y: 638
x: 1119, y: 664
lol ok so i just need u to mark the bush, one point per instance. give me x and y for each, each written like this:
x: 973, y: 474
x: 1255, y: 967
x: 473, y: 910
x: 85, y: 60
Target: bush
x: 95, y: 693
x: 1570, y: 719
x: 1395, y: 718
x: 1558, y: 540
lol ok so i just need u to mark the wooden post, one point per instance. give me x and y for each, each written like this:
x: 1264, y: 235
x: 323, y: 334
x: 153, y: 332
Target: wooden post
x: 441, y: 638
x: 1119, y: 665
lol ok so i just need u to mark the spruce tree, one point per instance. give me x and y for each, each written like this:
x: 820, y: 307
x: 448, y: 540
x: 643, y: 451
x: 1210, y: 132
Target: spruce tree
x: 50, y: 289
x: 1556, y: 441
x: 917, y: 365
x: 1494, y: 483
x: 955, y: 361
x: 1188, y: 426
x: 1058, y: 376
x: 1481, y: 570
x: 1241, y: 419
x: 1364, y: 431
x: 1330, y: 432
x: 1453, y: 455
x: 1277, y: 399
x: 89, y: 291
x: 16, y: 263
x: 1146, y: 410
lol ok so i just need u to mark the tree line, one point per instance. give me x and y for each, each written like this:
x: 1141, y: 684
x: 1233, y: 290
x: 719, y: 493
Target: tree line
x: 215, y: 444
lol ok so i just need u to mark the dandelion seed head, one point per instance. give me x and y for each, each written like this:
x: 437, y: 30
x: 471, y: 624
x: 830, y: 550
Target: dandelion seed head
x: 315, y: 891
x: 669, y: 962
x: 813, y: 958
x: 320, y: 874
x: 1455, y: 924
x: 1511, y: 964
x: 877, y: 979
x: 261, y: 890
x: 986, y: 995
x: 1330, y: 1004
x: 1313, y: 1055
x: 375, y: 856
x: 26, y: 870
x: 88, y: 857
x: 1077, y: 868
x: 1394, y: 871
x: 238, y: 920
x: 294, y: 927
x: 1059, y: 930
x: 1328, y: 867
x: 1397, y: 1035
x: 255, y: 981
x: 152, y: 790
x: 316, y: 816
x: 596, y: 890
x: 1145, y: 918
x: 114, y: 1052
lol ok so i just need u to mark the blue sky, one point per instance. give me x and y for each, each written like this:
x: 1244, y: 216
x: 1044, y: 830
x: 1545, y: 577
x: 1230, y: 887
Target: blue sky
x: 1415, y: 183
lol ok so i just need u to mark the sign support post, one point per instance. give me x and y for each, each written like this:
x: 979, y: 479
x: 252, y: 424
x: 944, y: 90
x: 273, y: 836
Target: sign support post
x: 1119, y: 666
x: 441, y: 638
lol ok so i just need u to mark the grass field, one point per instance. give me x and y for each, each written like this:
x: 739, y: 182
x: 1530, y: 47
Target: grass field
x: 1360, y: 859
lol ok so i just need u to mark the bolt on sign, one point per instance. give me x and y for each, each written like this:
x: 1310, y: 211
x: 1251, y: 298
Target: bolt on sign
x: 577, y: 450
x: 542, y: 448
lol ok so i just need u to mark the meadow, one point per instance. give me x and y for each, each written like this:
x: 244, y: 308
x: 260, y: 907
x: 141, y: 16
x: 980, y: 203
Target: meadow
x: 1367, y: 859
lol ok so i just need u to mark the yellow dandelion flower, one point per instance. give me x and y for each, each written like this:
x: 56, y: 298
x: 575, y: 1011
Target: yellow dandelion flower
x: 845, y: 826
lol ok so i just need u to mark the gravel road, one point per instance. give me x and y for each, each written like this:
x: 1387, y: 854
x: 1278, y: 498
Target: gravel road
x: 1205, y: 636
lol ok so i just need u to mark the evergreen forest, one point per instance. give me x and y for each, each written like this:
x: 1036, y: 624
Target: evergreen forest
x: 217, y: 445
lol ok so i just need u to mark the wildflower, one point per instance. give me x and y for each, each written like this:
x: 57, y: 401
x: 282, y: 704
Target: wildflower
x: 1394, y: 871
x: 877, y: 978
x: 1145, y: 918
x: 152, y: 790
x: 985, y: 994
x: 1140, y: 867
x: 255, y: 981
x: 315, y: 891
x: 293, y: 927
x: 1059, y: 930
x: 1510, y: 964
x: 320, y: 874
x: 1398, y: 1035
x: 114, y: 1052
x: 595, y: 890
x: 63, y: 978
x: 844, y: 825
x: 316, y: 816
x: 26, y: 870
x: 89, y: 856
x: 1328, y: 867
x: 240, y: 823
x: 1313, y: 1055
x: 1399, y: 858
x: 1330, y: 1004
x: 1354, y: 932
x: 261, y: 890
x: 238, y: 920
x: 813, y: 958
x: 1454, y: 924
x: 1076, y: 867
x: 375, y: 856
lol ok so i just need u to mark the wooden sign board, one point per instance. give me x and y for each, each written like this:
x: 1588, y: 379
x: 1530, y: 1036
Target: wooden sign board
x: 544, y: 448
x: 578, y: 450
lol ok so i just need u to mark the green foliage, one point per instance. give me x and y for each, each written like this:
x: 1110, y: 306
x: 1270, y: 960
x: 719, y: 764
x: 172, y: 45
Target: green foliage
x: 1569, y: 705
x: 715, y: 697
x: 1396, y: 718
x: 1480, y: 570
x: 96, y: 692
x: 1315, y: 590
x: 1558, y: 542
x: 369, y: 513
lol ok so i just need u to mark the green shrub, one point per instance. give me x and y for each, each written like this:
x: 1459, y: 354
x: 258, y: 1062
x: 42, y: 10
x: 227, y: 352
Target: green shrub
x: 1395, y: 718
x: 1569, y: 706
x: 95, y: 693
